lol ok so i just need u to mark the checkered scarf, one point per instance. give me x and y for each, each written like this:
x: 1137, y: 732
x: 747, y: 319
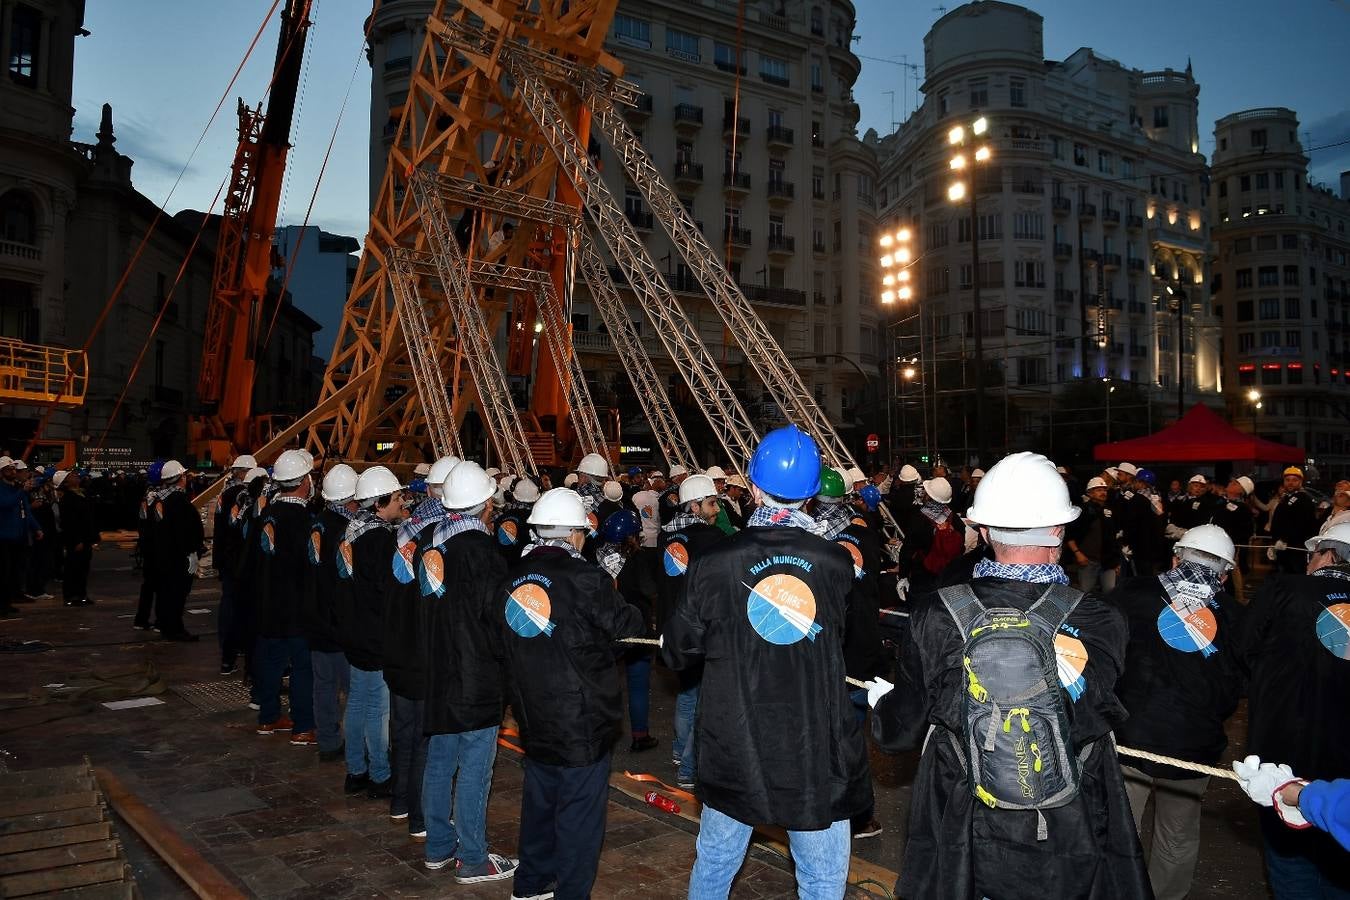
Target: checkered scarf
x: 680, y: 522
x: 1041, y: 573
x: 342, y: 510
x: 609, y: 557
x: 592, y: 495
x: 779, y: 517
x: 559, y: 543
x: 1340, y: 570
x: 935, y: 512
x: 427, y: 512
x: 831, y: 520
x: 1189, y: 585
x: 363, y: 522
x: 451, y: 524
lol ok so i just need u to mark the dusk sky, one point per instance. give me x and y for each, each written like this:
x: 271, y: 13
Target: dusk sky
x: 164, y: 66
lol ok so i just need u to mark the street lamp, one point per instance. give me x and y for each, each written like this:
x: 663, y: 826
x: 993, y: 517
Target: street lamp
x: 1178, y: 298
x: 966, y: 156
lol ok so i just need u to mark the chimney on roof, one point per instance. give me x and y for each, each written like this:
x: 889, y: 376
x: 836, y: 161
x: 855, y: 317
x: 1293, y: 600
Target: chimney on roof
x: 1345, y: 185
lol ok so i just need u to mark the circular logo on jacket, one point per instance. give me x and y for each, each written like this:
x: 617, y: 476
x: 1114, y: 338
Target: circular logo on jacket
x: 859, y: 521
x: 675, y: 559
x: 344, y: 560
x: 856, y: 555
x: 1071, y: 659
x: 403, y: 562
x: 528, y: 609
x: 267, y: 540
x: 315, y: 551
x: 782, y: 609
x: 1189, y: 632
x: 1333, y: 629
x: 236, y: 513
x: 508, y: 532
x: 431, y: 573
x: 593, y: 523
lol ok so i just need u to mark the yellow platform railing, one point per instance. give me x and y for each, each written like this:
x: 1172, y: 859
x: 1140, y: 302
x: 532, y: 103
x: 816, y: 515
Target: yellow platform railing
x: 36, y: 373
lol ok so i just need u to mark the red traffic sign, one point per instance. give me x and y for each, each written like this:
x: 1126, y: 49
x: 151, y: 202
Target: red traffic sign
x: 873, y: 442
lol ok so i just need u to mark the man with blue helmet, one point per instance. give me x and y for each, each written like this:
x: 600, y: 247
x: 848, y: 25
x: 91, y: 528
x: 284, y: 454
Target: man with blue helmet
x: 763, y: 612
x: 636, y: 573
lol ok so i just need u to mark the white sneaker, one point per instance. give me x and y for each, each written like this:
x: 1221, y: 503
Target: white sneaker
x: 496, y: 868
x: 547, y: 895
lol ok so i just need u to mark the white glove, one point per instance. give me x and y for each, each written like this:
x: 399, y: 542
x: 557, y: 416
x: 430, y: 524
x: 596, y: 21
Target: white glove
x: 876, y: 689
x: 661, y: 641
x: 192, y: 564
x: 1263, y: 783
x: 1274, y: 551
x: 902, y: 589
x: 1127, y: 552
x: 1174, y: 533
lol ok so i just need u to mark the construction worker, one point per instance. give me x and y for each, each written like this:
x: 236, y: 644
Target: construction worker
x: 688, y: 535
x: 279, y: 589
x: 737, y: 501
x: 763, y: 613
x: 17, y: 526
x: 646, y: 501
x: 460, y: 572
x: 829, y: 508
x: 1292, y: 521
x: 1091, y: 538
x: 904, y: 490
x: 1339, y: 509
x: 510, y: 528
x: 959, y: 844
x: 1298, y: 656
x: 225, y: 540
x: 591, y: 474
x: 331, y: 671
x: 636, y: 571
x: 1181, y: 681
x: 1237, y: 518
x: 363, y: 586
x: 259, y: 489
x: 559, y: 617
x: 1198, y: 507
x: 79, y: 532
x: 670, y: 496
x: 178, y: 539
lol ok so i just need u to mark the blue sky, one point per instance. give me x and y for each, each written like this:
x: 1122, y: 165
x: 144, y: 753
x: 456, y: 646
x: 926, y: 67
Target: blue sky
x: 164, y: 66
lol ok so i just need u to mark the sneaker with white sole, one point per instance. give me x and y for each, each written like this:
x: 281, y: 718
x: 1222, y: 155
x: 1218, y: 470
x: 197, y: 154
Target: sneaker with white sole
x: 496, y: 868
x: 434, y: 864
x: 871, y: 829
x: 546, y: 895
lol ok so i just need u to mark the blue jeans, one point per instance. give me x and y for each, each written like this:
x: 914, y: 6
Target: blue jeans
x: 367, y: 725
x: 472, y: 754
x: 1303, y: 865
x: 821, y: 858
x: 686, y: 710
x: 332, y: 677
x: 1090, y: 575
x: 273, y: 655
x: 639, y: 670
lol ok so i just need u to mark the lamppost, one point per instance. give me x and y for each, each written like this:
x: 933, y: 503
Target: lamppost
x: 1110, y: 389
x: 956, y: 138
x: 1178, y: 300
x: 896, y: 258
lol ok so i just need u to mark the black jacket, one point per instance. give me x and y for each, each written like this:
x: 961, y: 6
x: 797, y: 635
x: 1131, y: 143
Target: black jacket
x: 1178, y: 689
x: 678, y: 551
x: 77, y: 520
x: 1294, y: 519
x: 863, y: 654
x: 1237, y: 521
x: 404, y: 645
x: 363, y: 587
x: 1190, y: 512
x: 564, y: 684
x: 1094, y: 532
x: 960, y: 848
x: 319, y: 615
x: 227, y: 533
x: 639, y: 583
x: 178, y: 532
x: 511, y: 532
x: 282, y: 564
x: 464, y: 676
x: 778, y: 740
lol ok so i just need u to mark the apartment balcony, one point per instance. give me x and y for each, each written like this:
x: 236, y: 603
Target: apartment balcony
x: 1064, y: 295
x: 736, y: 182
x: 688, y: 174
x: 684, y: 283
x: 1134, y: 223
x: 1063, y: 251
x: 1028, y: 187
x: 782, y: 245
x: 1087, y: 211
x: 25, y: 255
x: 687, y: 117
x: 1134, y: 264
x: 781, y: 191
x: 640, y: 219
x: 1090, y: 255
x: 726, y: 65
x: 741, y: 125
x: 818, y: 247
x: 756, y: 293
x: 640, y: 110
x: 1061, y: 205
x: 737, y: 237
x: 1111, y: 260
x: 1111, y: 217
x: 778, y: 136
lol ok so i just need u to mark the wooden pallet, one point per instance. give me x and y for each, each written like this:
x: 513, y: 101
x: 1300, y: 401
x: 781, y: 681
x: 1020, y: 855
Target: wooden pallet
x: 57, y: 838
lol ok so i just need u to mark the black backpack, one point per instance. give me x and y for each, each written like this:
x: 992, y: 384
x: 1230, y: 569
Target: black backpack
x: 1015, y: 732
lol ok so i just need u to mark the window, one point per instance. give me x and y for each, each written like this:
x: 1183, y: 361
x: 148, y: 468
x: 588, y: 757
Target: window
x: 1279, y: 179
x: 991, y: 226
x: 682, y: 44
x: 1242, y: 246
x: 1126, y: 167
x: 1028, y: 273
x: 937, y: 276
x: 1017, y: 92
x: 1289, y: 241
x: 1258, y: 137
x: 1270, y: 308
x: 1262, y: 181
x: 816, y: 140
x: 1245, y: 183
x: 731, y: 217
x: 18, y: 218
x: 1293, y: 339
x: 632, y: 31
x: 1244, y: 311
x: 1291, y: 308
x: 818, y: 235
x: 1265, y: 242
x: 817, y: 21
x: 1270, y: 373
x: 817, y: 78
x: 1080, y: 155
x: 937, y: 235
x: 160, y: 348
x: 1294, y: 373
x: 773, y: 70
x: 25, y: 34
x: 944, y: 104
x: 1031, y: 370
x: 1057, y: 148
x: 1029, y: 226
x: 775, y: 227
x: 865, y: 188
x: 1270, y: 339
x: 818, y: 182
x: 1268, y: 276
x: 724, y: 57
x: 1223, y: 189
x: 1160, y: 117
x: 1105, y: 163
x: 979, y: 93
x: 1291, y: 276
x: 1246, y: 341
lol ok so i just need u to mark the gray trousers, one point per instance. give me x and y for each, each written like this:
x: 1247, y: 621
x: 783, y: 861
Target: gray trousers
x: 1176, y: 828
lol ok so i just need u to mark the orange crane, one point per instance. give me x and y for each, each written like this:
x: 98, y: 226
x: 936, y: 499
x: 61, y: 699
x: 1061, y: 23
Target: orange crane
x: 226, y: 425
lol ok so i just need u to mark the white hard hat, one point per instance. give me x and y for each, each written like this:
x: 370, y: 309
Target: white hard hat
x: 253, y: 473
x: 42, y: 470
x: 441, y: 468
x: 243, y: 461
x: 1248, y: 486
x: 593, y: 464
x: 569, y: 479
x: 20, y: 465
x: 1097, y: 482
x: 559, y: 508
x: 940, y: 489
x: 1022, y: 490
x: 290, y: 466
x: 613, y: 491
x: 467, y: 486
x: 169, y: 471
x: 738, y: 481
x: 1198, y: 479
x: 1129, y: 469
x: 677, y: 470
x: 1113, y: 472
x: 1209, y: 539
x: 339, y: 484
x: 5, y: 462
x: 978, y: 473
x: 377, y: 481
x: 525, y: 491
x: 493, y: 471
x: 696, y: 487
x: 1062, y: 470
x: 853, y: 476
x: 59, y: 477
x: 909, y: 474
x: 1336, y: 534
x: 715, y: 472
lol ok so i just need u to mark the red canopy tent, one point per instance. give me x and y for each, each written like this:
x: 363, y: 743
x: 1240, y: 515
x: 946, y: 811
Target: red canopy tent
x: 1199, y: 436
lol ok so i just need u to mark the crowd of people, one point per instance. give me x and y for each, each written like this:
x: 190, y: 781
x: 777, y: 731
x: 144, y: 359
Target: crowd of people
x: 47, y: 534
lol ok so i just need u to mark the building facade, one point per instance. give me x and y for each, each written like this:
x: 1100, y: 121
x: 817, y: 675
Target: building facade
x: 322, y: 269
x: 1092, y: 229
x: 1282, y: 286
x: 761, y: 147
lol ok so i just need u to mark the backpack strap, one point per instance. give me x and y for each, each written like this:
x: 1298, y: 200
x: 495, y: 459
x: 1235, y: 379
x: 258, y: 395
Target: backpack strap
x: 1054, y: 608
x: 963, y: 606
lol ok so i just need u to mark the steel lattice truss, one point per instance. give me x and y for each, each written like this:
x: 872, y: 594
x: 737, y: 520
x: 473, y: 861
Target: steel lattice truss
x: 431, y: 388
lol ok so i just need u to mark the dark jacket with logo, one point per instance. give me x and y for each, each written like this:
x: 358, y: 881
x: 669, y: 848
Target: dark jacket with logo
x: 320, y: 610
x: 282, y: 567
x: 1094, y: 532
x: 778, y: 738
x: 639, y: 583
x: 227, y: 535
x: 464, y: 675
x: 77, y: 520
x: 1179, y: 684
x: 565, y: 686
x: 863, y: 654
x: 1294, y: 520
x: 178, y: 532
x: 678, y: 550
x: 1190, y: 512
x: 960, y: 848
x: 363, y: 587
x: 511, y: 532
x: 404, y: 645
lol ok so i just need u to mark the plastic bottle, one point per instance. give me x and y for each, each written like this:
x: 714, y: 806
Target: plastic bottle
x: 661, y: 801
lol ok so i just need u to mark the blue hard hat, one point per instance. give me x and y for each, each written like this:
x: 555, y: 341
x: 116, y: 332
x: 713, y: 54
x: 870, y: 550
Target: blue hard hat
x: 1147, y: 477
x: 871, y: 495
x: 620, y: 525
x: 786, y: 464
x: 152, y: 473
x: 634, y: 471
x: 418, y: 485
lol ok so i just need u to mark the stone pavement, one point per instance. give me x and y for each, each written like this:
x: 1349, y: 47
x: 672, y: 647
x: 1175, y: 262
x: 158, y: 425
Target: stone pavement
x: 274, y: 819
